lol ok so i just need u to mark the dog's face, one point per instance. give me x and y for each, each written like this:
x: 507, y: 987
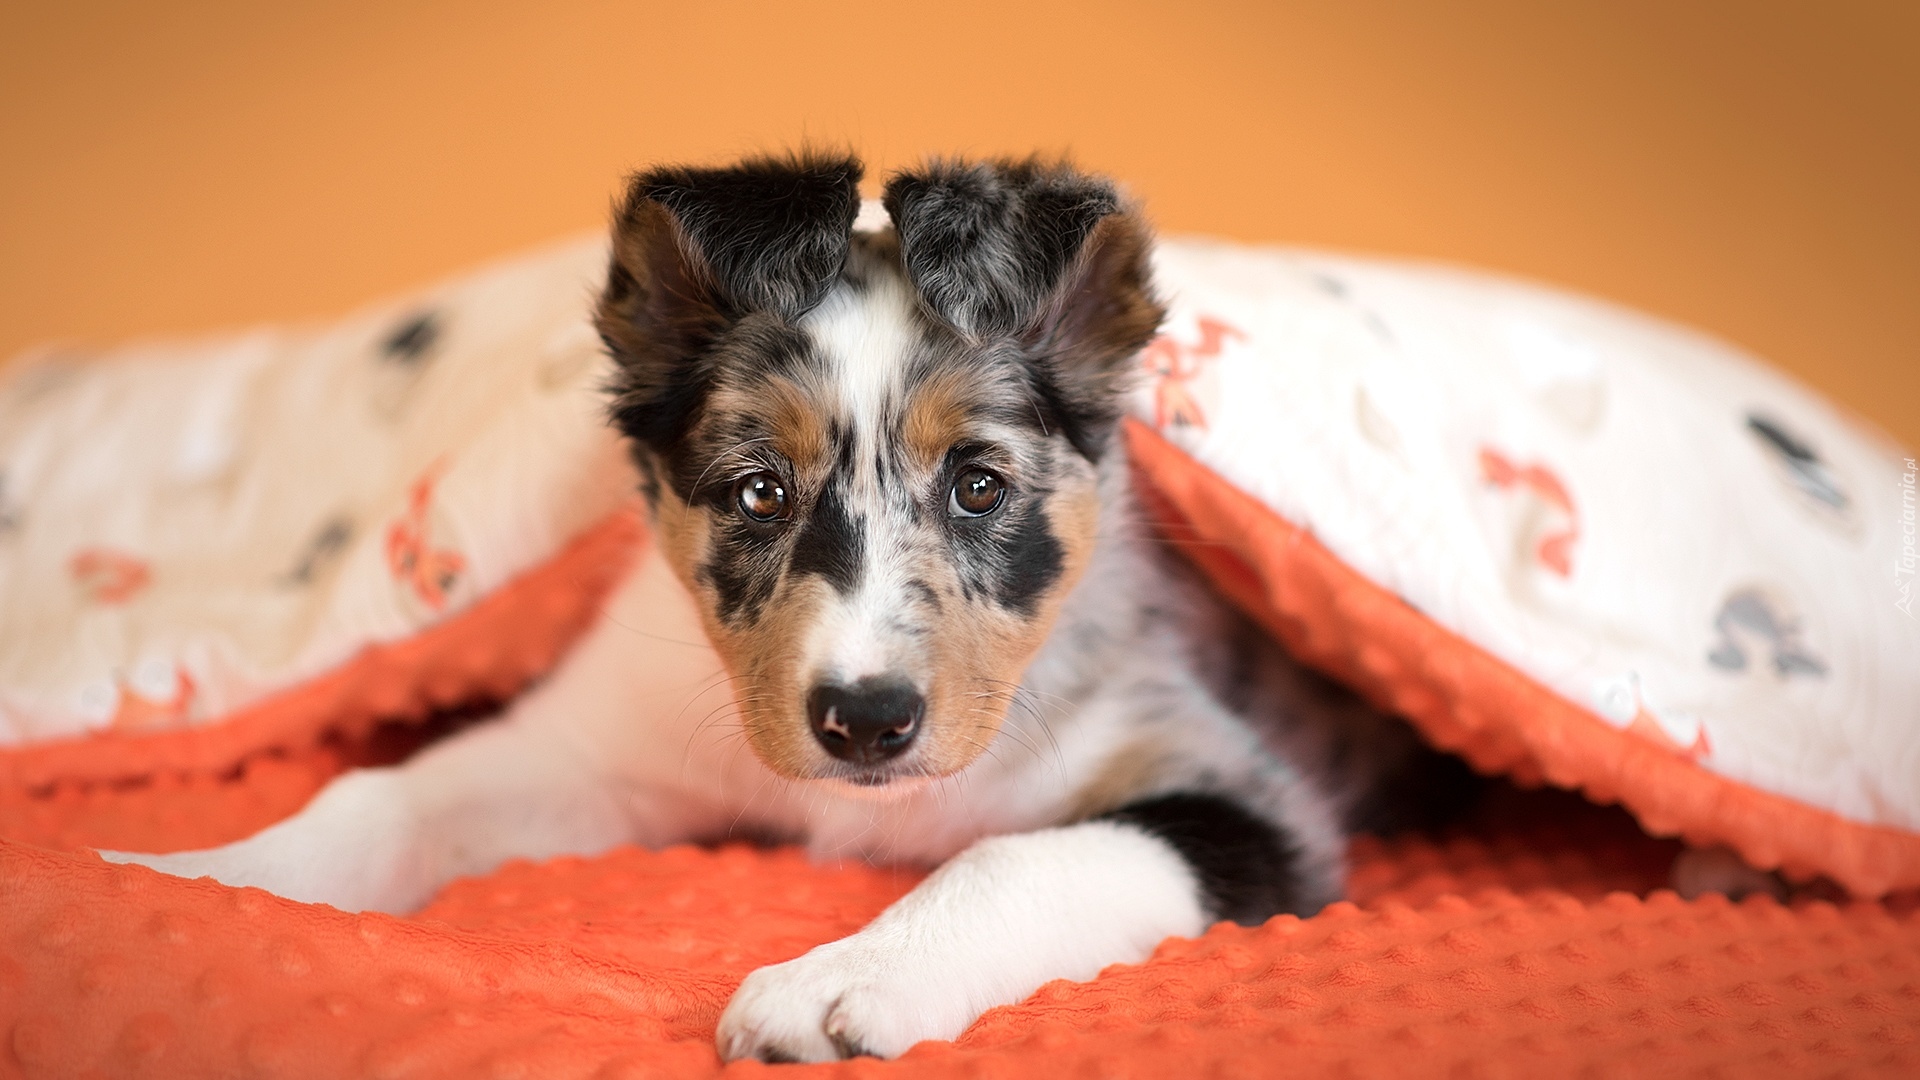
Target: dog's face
x: 872, y: 457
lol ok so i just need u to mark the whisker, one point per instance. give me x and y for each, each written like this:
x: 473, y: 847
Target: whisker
x: 1029, y: 701
x: 717, y: 459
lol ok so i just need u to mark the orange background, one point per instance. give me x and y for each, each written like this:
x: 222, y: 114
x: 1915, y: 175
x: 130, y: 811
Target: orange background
x: 1752, y: 168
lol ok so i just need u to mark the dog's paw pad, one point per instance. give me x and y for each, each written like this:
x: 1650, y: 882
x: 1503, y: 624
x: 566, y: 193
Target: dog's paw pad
x: 827, y: 1005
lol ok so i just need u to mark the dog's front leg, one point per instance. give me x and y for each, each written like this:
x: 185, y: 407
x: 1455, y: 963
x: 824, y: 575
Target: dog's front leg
x: 386, y: 839
x: 988, y: 928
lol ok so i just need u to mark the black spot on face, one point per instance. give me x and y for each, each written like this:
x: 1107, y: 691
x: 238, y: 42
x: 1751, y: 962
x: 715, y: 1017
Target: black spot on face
x: 410, y: 340
x: 843, y: 443
x: 926, y: 594
x: 1010, y: 556
x: 743, y: 572
x: 660, y: 422
x: 831, y: 543
x: 1032, y: 561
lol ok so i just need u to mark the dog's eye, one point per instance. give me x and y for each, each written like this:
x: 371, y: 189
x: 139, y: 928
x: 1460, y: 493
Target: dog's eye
x: 976, y: 493
x: 762, y: 497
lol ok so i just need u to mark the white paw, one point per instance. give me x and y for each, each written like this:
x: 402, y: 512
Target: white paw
x: 841, y: 1000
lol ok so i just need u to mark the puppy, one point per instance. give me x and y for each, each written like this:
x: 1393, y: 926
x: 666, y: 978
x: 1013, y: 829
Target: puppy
x: 897, y: 552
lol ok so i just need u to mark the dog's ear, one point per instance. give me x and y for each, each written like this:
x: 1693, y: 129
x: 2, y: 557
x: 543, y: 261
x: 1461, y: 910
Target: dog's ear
x: 1042, y: 255
x: 697, y: 250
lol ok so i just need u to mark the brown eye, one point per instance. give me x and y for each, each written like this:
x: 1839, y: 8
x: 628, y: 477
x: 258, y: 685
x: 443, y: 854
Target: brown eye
x: 762, y: 497
x: 976, y: 493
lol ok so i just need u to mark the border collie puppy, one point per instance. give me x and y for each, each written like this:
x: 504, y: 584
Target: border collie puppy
x: 896, y: 549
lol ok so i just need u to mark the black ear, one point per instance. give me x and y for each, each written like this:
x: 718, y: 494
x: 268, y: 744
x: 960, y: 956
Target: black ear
x: 1043, y: 255
x: 697, y: 250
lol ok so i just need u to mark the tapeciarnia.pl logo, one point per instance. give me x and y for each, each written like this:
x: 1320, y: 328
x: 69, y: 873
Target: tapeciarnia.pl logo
x: 1903, y: 567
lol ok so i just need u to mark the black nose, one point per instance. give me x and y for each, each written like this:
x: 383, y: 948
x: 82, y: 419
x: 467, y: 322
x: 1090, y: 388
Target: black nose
x: 868, y: 722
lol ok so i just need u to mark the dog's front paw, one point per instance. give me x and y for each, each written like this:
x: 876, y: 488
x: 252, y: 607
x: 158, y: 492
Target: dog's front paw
x: 840, y: 1000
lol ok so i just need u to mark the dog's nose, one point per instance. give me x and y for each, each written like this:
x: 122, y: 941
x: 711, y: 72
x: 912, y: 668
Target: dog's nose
x: 868, y: 722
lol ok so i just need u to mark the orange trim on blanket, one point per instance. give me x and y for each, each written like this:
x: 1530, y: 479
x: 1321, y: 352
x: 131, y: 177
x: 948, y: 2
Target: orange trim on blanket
x: 487, y: 652
x: 1466, y: 701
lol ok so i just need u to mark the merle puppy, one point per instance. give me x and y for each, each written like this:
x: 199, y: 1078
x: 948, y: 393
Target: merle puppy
x: 896, y: 550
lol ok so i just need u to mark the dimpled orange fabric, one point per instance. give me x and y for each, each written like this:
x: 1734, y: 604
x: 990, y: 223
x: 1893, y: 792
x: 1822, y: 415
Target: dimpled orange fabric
x: 1535, y: 939
x: 1532, y: 941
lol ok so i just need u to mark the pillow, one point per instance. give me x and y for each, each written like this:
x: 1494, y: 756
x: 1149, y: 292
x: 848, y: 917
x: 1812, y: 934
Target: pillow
x: 1572, y: 543
x: 214, y: 547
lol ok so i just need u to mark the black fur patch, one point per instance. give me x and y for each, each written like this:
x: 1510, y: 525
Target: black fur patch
x: 772, y: 232
x: 1030, y: 561
x: 740, y: 355
x: 715, y: 259
x: 743, y: 570
x: 831, y: 543
x: 926, y: 594
x: 1247, y: 869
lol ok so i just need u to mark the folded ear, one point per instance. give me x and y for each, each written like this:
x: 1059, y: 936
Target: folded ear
x: 697, y: 250
x: 1042, y: 255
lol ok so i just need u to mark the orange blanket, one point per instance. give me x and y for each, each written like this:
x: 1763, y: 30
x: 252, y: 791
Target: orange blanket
x: 1533, y: 940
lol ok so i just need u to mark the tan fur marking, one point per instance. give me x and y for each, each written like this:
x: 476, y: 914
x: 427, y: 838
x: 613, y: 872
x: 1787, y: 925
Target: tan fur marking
x: 1076, y: 524
x: 936, y: 417
x: 793, y: 419
x: 773, y: 701
x: 680, y: 533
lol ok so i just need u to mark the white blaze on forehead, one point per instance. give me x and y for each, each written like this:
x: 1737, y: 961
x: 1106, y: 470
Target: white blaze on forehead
x: 864, y: 338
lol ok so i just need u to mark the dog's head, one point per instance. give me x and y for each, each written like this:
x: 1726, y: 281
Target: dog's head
x: 872, y: 457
